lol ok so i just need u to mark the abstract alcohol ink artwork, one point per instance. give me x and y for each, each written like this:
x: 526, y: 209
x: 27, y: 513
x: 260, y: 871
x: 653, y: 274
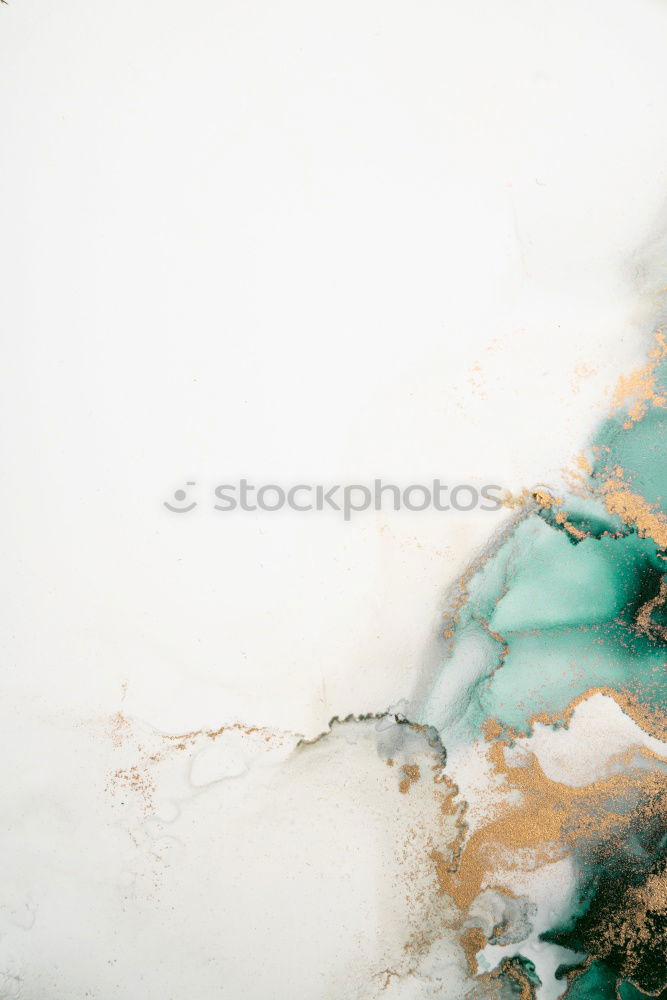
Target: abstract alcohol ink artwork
x: 334, y: 541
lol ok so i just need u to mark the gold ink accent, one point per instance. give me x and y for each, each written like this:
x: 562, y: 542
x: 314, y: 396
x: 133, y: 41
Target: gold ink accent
x: 527, y: 498
x: 577, y: 533
x: 633, y: 509
x: 643, y: 620
x: 412, y: 773
x: 637, y: 390
x: 473, y: 939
